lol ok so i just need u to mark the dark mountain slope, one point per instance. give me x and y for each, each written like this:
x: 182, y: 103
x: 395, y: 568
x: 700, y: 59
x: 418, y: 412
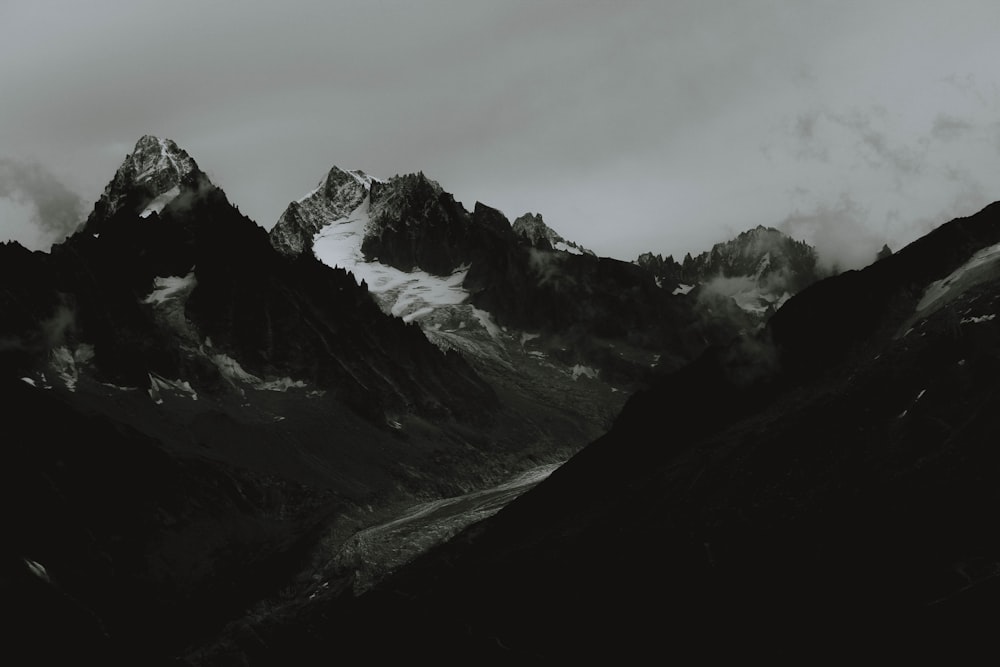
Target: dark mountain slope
x: 840, y: 315
x: 828, y: 497
x: 141, y: 549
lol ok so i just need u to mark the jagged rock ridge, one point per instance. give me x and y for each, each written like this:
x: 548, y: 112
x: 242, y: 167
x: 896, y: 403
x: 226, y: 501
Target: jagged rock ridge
x: 758, y: 271
x: 532, y: 229
x: 153, y: 172
x: 493, y: 290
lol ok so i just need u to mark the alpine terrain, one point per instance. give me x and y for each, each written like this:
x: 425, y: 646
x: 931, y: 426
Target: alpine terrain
x: 394, y: 428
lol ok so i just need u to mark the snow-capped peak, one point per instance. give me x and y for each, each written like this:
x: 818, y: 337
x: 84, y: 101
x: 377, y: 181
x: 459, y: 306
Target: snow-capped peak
x: 335, y: 181
x: 155, y: 166
x: 335, y: 197
x: 156, y: 159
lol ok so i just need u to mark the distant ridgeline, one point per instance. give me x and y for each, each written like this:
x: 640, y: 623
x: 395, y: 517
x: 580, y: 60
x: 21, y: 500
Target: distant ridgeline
x: 763, y: 253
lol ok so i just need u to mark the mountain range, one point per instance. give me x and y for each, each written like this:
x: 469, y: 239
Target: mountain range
x: 204, y: 418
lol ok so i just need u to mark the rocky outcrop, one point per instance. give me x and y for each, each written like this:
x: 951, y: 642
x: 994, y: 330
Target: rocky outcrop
x: 532, y: 230
x: 336, y: 197
x: 763, y: 253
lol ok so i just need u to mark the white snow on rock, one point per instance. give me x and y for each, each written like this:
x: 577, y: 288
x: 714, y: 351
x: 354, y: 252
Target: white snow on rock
x: 232, y: 370
x: 564, y: 247
x: 170, y: 159
x: 159, y: 384
x: 235, y: 373
x: 977, y: 319
x: 585, y: 371
x: 978, y: 268
x: 486, y: 321
x: 155, y: 163
x: 408, y: 295
x: 281, y: 384
x: 527, y: 337
x: 37, y: 569
x: 64, y: 363
x: 682, y: 289
x: 29, y: 381
x: 169, y: 287
x: 160, y: 202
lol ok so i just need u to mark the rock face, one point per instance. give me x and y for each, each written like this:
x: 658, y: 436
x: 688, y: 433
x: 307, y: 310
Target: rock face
x: 506, y: 296
x: 337, y: 196
x: 414, y: 223
x: 757, y: 271
x: 150, y: 177
x: 531, y: 229
x: 825, y: 487
x: 763, y: 253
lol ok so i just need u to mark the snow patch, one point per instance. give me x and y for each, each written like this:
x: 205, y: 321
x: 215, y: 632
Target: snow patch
x: 977, y: 320
x: 29, y: 381
x: 585, y: 371
x: 682, y: 289
x: 410, y: 295
x: 281, y: 384
x: 940, y: 289
x: 763, y: 265
x: 159, y: 384
x: 37, y: 569
x: 63, y: 362
x: 160, y: 202
x: 420, y: 312
x: 234, y: 372
x: 564, y: 247
x: 486, y: 321
x: 169, y: 287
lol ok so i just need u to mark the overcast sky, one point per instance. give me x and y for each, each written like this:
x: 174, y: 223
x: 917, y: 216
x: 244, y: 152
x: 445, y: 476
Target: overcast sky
x: 631, y: 126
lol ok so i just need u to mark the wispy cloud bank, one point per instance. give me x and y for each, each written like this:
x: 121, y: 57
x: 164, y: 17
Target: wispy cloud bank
x: 56, y: 210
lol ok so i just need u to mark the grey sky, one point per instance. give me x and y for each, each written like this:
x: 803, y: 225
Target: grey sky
x: 631, y: 126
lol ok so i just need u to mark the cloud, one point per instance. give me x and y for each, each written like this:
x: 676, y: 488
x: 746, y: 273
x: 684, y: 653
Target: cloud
x: 547, y: 268
x: 55, y: 328
x: 57, y: 211
x: 880, y: 150
x: 805, y: 125
x: 948, y: 128
x: 725, y: 286
x: 839, y: 232
x: 968, y: 85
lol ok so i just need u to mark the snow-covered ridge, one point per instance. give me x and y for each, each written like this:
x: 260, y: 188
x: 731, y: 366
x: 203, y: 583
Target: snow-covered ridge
x: 333, y: 220
x: 980, y: 267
